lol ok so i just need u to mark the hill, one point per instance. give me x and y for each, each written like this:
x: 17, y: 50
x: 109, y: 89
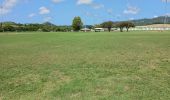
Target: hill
x: 147, y: 21
x: 49, y: 24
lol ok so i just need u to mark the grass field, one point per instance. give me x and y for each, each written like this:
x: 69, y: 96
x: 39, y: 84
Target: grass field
x: 85, y: 66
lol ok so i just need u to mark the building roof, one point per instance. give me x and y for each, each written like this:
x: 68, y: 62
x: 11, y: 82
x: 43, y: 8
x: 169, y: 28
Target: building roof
x: 99, y: 28
x: 159, y: 25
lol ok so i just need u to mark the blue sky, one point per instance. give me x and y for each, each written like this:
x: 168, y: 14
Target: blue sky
x: 61, y: 12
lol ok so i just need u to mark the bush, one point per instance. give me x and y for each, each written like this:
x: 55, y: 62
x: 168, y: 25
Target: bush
x: 9, y: 28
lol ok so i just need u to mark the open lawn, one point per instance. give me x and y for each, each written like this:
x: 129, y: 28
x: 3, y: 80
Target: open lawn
x: 85, y: 66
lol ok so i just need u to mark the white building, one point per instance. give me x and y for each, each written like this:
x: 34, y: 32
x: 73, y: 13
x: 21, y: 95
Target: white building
x: 85, y: 30
x: 154, y: 27
x: 99, y: 29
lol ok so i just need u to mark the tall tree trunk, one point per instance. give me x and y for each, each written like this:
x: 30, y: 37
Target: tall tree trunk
x: 127, y: 29
x: 109, y: 29
x: 121, y: 29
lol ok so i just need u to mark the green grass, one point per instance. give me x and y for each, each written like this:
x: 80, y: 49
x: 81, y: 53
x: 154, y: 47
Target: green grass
x: 85, y: 66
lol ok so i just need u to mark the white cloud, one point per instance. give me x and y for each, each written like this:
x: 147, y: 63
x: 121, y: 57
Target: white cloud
x: 90, y: 3
x: 131, y: 10
x: 87, y: 2
x: 131, y: 18
x: 97, y: 6
x: 155, y: 16
x: 47, y: 19
x: 44, y: 10
x: 57, y: 1
x: 88, y: 14
x: 31, y: 15
x: 7, y: 6
x: 109, y: 11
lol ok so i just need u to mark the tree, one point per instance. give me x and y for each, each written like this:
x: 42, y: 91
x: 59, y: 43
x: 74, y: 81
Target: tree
x: 46, y: 28
x: 89, y: 26
x: 9, y: 28
x: 97, y: 26
x: 77, y: 24
x: 127, y: 25
x: 108, y: 25
x: 120, y: 26
x: 1, y: 27
x: 19, y: 28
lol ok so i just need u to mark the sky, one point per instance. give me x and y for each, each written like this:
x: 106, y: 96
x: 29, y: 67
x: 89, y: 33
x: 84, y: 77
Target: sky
x: 62, y: 12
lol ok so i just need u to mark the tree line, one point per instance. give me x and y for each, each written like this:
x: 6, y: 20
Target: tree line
x: 77, y: 25
x: 45, y: 27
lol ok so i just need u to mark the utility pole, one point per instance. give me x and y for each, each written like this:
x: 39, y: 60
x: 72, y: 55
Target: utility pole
x: 165, y: 20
